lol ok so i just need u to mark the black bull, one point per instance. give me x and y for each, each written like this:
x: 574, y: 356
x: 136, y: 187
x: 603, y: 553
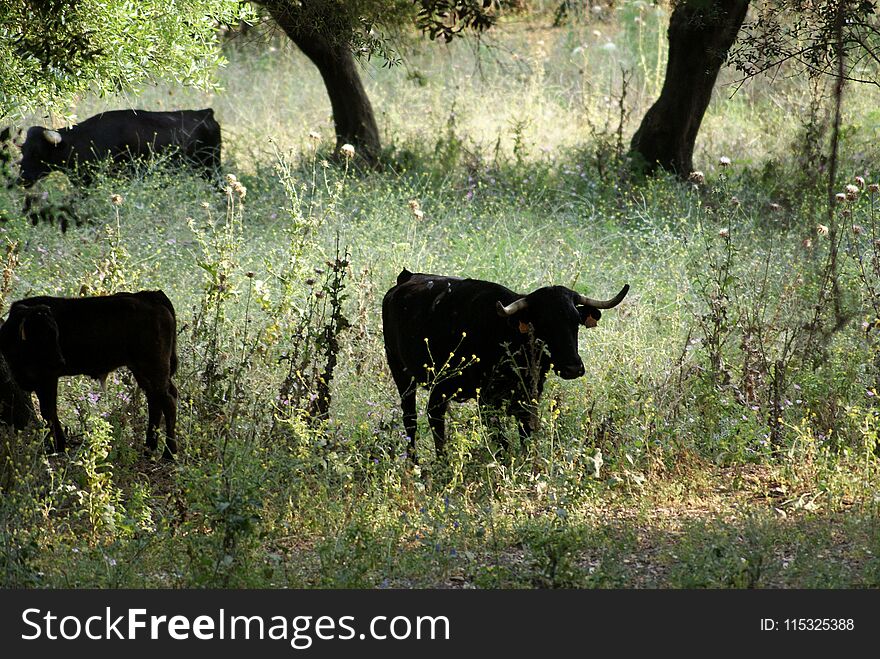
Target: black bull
x: 122, y: 136
x: 463, y: 338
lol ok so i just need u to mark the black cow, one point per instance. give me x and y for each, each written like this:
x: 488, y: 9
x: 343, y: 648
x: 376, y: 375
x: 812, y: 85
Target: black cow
x: 123, y: 136
x: 463, y: 338
x: 45, y: 338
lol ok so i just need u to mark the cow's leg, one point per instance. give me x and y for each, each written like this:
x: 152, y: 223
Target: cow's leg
x: 437, y: 404
x: 169, y: 409
x: 47, y: 394
x: 408, y: 404
x: 406, y: 387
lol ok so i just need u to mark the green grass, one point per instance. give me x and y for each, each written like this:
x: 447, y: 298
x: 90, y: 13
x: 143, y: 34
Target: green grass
x: 511, y: 157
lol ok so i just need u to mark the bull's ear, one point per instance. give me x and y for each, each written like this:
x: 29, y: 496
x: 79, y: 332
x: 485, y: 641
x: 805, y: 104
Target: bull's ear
x: 589, y: 316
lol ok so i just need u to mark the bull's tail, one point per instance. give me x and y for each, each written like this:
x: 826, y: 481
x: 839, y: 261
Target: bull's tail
x: 174, y: 353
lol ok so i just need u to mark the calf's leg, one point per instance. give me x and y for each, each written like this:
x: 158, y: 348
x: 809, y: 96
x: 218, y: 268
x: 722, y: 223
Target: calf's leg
x: 169, y: 409
x: 154, y: 416
x: 47, y: 394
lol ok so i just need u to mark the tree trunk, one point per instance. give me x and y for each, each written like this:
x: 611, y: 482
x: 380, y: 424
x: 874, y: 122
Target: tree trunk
x: 16, y: 406
x: 331, y: 53
x: 700, y: 34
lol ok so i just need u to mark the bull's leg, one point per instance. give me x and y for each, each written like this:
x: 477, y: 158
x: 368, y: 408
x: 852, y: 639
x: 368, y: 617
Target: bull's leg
x: 169, y: 409
x: 47, y: 394
x: 437, y: 404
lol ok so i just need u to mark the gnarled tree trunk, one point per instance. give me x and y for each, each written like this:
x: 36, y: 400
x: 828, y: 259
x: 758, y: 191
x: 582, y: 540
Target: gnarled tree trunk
x: 309, y: 24
x: 700, y: 34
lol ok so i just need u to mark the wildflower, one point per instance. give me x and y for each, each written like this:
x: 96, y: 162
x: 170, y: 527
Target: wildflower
x: 774, y: 206
x: 807, y: 243
x: 724, y: 161
x: 116, y: 199
x: 419, y: 214
x: 858, y: 229
x: 734, y: 200
x: 822, y: 230
x: 231, y: 179
x: 347, y: 151
x: 874, y: 187
x: 597, y: 34
x: 314, y: 137
x: 697, y: 177
x: 852, y: 191
x: 860, y: 181
x: 840, y: 197
x: 724, y: 233
x: 205, y: 205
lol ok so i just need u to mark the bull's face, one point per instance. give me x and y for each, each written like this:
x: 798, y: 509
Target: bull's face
x: 31, y: 344
x: 555, y: 314
x: 42, y: 152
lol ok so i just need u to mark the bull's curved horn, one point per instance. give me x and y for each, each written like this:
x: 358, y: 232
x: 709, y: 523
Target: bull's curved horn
x: 52, y: 136
x: 604, y: 304
x: 512, y: 308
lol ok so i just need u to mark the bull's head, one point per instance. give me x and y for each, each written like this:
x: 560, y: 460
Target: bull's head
x: 29, y: 341
x: 554, y: 314
x: 43, y: 150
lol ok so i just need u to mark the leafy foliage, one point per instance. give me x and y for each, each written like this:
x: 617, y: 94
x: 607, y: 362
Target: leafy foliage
x: 804, y: 33
x: 448, y: 18
x: 54, y: 50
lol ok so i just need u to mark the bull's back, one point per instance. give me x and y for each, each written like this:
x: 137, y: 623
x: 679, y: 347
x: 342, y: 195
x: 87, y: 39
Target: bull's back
x: 428, y: 317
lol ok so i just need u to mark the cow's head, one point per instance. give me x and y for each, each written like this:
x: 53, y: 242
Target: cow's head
x: 29, y: 341
x: 43, y: 151
x: 554, y: 314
